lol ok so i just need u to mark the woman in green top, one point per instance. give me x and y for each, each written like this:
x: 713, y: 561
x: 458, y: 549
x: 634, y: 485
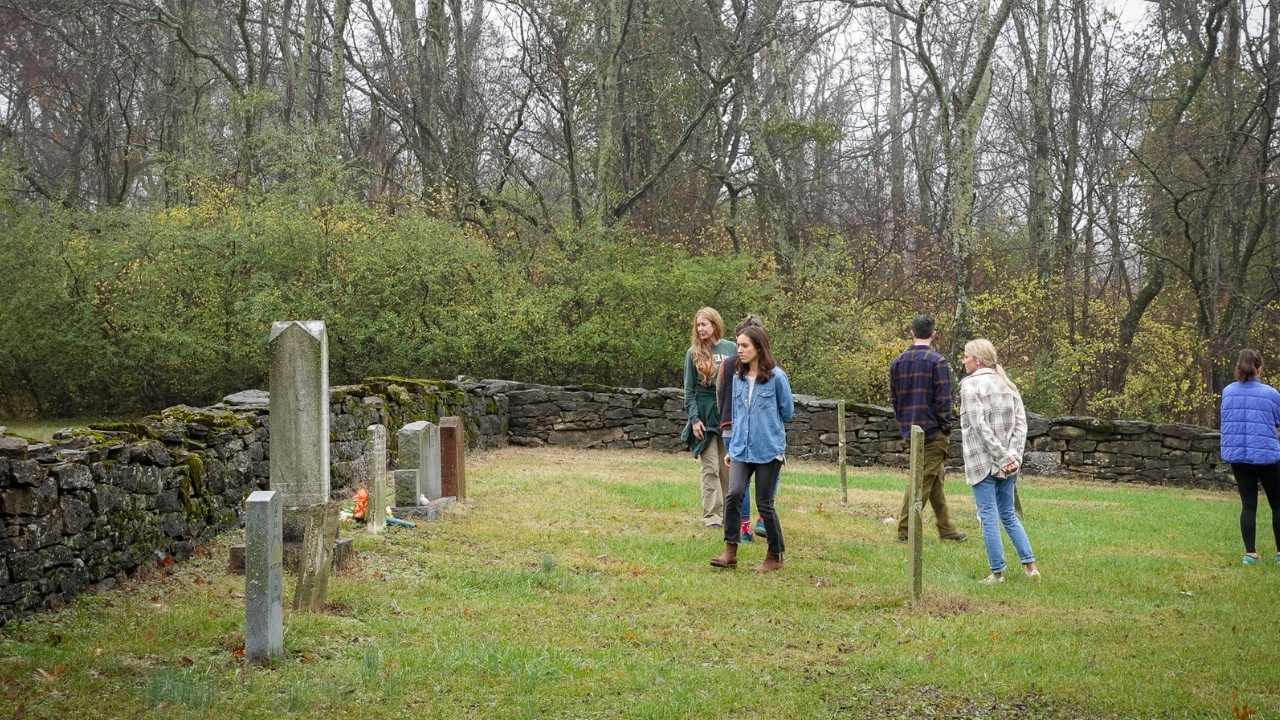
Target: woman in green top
x: 707, y: 350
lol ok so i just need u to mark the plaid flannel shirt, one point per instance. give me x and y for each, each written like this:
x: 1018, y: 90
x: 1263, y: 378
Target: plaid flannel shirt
x: 993, y: 425
x: 920, y: 389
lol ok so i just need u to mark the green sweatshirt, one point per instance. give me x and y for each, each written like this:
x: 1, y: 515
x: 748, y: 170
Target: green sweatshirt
x: 700, y: 397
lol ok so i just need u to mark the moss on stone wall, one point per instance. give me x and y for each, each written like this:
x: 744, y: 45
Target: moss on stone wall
x: 216, y: 419
x: 137, y: 429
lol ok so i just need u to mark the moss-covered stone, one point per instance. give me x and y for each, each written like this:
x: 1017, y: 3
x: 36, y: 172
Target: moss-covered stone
x: 216, y: 419
x: 342, y: 392
x: 195, y: 472
x: 137, y: 429
x: 419, y: 384
x: 138, y: 530
x: 398, y: 394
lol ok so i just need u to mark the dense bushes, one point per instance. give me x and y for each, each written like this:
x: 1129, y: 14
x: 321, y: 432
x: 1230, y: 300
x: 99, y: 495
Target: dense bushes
x: 133, y: 309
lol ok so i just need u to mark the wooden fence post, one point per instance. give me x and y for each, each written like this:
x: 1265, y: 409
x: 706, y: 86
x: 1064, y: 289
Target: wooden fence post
x: 915, y: 537
x: 844, y: 477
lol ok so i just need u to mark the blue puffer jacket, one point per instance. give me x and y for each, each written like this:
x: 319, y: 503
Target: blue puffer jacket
x: 1250, y: 414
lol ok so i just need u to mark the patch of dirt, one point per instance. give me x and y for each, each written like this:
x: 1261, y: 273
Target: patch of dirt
x: 944, y: 606
x: 930, y: 703
x: 339, y: 609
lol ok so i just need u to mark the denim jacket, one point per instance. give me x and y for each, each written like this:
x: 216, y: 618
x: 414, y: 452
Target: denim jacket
x: 758, y: 433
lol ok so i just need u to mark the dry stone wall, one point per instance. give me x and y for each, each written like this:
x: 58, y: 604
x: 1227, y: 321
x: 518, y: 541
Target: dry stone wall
x: 98, y: 504
x: 1113, y: 450
x: 101, y: 503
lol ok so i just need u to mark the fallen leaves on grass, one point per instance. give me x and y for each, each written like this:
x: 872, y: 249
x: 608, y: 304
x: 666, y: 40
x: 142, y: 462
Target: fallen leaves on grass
x: 49, y: 675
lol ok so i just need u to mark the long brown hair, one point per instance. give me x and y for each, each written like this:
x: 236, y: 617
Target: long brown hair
x: 1248, y: 364
x: 764, y: 358
x: 702, y: 360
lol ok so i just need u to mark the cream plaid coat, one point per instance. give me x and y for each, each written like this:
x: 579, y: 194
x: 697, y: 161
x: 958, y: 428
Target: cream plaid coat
x: 993, y: 425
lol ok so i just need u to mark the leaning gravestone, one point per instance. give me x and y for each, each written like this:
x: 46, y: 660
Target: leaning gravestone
x: 320, y: 528
x: 263, y: 578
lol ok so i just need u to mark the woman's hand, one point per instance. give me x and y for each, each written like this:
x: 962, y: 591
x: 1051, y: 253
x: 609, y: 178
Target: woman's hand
x: 1010, y: 467
x: 699, y: 430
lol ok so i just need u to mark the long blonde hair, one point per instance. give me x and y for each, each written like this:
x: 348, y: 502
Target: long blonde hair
x: 984, y: 352
x: 702, y: 360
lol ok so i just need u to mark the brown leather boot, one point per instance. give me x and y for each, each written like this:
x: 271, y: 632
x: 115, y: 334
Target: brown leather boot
x: 771, y: 563
x: 727, y: 559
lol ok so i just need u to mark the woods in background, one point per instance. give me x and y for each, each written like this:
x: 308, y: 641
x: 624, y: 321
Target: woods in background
x: 538, y: 188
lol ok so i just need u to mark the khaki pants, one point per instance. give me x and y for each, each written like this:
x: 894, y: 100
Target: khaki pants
x: 715, y: 480
x: 931, y: 488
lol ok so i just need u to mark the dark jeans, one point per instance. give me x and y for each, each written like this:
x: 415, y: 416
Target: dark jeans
x: 766, y: 487
x: 931, y: 489
x: 1248, y: 478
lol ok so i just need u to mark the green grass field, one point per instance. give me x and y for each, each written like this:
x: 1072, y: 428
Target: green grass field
x: 575, y: 584
x: 43, y: 430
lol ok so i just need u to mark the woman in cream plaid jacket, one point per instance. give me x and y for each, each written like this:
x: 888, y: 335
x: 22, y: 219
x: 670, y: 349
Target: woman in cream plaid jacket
x: 993, y: 427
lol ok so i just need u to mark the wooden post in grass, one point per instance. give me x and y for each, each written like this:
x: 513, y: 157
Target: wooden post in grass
x: 915, y: 538
x: 844, y: 477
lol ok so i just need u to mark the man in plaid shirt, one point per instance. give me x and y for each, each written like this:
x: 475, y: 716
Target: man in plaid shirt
x: 920, y: 387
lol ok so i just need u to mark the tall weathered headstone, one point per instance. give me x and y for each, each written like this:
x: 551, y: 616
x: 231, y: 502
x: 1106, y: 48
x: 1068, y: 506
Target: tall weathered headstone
x: 299, y: 417
x: 375, y: 511
x: 263, y: 577
x: 453, y: 448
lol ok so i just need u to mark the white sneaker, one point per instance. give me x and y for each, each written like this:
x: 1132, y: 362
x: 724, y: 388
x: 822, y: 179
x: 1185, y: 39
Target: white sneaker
x: 992, y: 579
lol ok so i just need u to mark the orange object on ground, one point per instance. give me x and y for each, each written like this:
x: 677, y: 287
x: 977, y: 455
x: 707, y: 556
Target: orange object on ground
x: 362, y: 502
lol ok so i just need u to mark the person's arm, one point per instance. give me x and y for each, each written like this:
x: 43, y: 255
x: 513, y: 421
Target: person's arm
x: 724, y: 395
x: 690, y: 404
x: 1018, y: 443
x: 893, y: 389
x: 942, y: 395
x: 974, y: 409
x: 786, y: 403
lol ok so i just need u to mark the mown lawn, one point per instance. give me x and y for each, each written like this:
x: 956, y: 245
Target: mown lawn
x: 575, y: 584
x: 43, y: 430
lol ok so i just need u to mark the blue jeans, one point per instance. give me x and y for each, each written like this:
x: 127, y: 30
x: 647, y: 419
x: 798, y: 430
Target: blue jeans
x: 994, y: 498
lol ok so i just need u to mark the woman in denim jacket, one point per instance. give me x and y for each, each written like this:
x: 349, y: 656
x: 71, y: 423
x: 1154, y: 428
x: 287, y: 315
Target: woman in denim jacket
x: 762, y: 404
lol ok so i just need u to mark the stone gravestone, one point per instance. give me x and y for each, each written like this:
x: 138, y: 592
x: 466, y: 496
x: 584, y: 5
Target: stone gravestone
x: 263, y: 578
x: 298, y: 415
x: 429, y: 463
x: 375, y: 511
x: 299, y: 419
x: 320, y: 529
x: 453, y: 447
x: 418, y: 463
x: 420, y: 477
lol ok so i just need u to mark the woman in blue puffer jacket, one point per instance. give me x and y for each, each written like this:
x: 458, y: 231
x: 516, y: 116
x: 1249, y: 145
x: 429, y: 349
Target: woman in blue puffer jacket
x: 1250, y: 415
